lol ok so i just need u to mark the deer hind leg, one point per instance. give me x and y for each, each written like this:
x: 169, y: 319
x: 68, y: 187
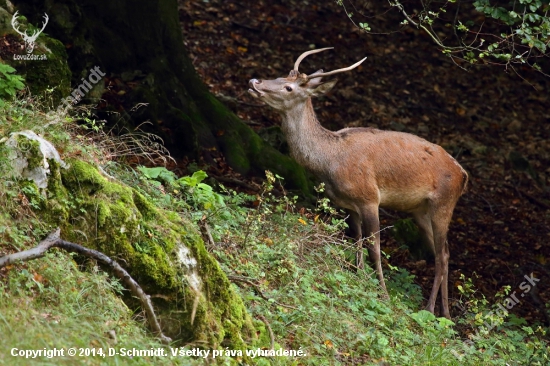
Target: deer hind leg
x: 371, y: 231
x: 440, y: 226
x: 355, y: 232
x: 424, y: 222
x: 445, y: 282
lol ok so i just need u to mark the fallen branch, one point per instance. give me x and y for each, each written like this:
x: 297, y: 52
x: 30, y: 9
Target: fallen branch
x: 236, y: 182
x: 271, y: 336
x: 54, y: 241
x: 257, y: 287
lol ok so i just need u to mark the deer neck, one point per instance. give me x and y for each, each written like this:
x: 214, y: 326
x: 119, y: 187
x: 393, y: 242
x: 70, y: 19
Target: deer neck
x: 309, y: 142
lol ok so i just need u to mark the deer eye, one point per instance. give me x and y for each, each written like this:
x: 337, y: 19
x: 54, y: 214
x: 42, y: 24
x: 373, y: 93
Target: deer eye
x: 288, y: 88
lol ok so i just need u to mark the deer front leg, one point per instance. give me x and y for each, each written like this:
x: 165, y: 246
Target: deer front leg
x: 355, y: 232
x: 371, y: 231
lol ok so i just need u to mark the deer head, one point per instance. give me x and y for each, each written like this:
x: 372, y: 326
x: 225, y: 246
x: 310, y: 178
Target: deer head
x: 284, y: 93
x: 30, y: 40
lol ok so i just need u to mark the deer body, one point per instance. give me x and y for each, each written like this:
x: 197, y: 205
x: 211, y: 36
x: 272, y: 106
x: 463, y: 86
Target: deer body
x: 359, y: 164
x: 365, y: 168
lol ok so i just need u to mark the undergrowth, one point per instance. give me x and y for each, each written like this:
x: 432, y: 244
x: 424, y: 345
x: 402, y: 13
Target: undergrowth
x: 293, y: 269
x: 292, y: 266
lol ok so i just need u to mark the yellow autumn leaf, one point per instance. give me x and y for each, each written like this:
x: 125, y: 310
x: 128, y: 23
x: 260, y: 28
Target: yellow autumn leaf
x: 301, y: 221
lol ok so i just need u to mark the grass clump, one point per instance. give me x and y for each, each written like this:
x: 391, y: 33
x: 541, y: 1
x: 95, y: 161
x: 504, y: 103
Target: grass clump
x: 50, y: 303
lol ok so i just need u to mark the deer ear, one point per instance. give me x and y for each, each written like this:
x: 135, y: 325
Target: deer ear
x: 318, y: 90
x: 320, y: 71
x: 312, y: 83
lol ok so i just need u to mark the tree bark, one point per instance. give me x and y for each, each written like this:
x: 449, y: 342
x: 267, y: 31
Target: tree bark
x: 141, y: 41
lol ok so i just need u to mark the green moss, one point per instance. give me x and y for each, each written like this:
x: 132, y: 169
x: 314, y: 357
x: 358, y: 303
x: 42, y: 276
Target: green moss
x: 31, y: 150
x: 32, y: 192
x: 124, y: 224
x: 262, y: 333
x: 145, y: 207
x: 51, y: 74
x: 237, y: 328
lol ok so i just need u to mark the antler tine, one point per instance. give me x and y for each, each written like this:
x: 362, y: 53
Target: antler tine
x: 36, y: 33
x: 307, y: 53
x: 313, y: 76
x: 46, y: 19
x: 15, y: 23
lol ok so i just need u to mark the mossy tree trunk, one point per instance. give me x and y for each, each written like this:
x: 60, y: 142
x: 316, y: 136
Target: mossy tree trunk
x: 141, y: 41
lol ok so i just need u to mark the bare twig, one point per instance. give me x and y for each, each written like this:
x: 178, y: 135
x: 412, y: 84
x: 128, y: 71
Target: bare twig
x: 271, y: 336
x: 205, y: 231
x: 257, y: 287
x: 54, y: 241
x: 236, y: 182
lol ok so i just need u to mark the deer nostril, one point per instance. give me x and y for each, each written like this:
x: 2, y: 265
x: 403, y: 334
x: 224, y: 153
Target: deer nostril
x: 254, y: 82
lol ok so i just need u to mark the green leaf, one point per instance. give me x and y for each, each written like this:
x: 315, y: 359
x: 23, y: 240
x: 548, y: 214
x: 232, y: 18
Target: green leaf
x: 365, y: 26
x: 199, y: 175
x: 9, y: 83
x: 444, y: 322
x: 157, y: 173
x: 423, y: 317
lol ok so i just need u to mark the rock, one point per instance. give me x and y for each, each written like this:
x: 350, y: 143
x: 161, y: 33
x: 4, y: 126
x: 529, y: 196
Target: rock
x: 29, y: 157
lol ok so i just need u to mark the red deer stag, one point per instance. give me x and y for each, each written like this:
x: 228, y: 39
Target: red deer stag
x: 365, y: 168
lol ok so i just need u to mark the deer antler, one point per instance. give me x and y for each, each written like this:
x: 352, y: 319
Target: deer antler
x: 307, y: 53
x: 318, y: 75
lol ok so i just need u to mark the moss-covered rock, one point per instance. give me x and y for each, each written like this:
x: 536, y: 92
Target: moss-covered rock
x: 161, y: 250
x: 30, y: 156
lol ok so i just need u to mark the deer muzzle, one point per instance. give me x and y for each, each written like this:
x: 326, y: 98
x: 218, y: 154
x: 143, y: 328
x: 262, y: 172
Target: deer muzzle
x: 253, y: 88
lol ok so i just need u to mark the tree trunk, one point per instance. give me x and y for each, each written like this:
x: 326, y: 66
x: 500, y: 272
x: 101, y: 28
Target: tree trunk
x: 140, y: 42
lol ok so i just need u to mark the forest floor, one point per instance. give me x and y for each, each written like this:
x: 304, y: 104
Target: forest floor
x: 493, y: 121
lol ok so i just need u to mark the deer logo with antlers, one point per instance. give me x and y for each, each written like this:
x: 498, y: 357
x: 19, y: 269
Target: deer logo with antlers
x: 30, y: 40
